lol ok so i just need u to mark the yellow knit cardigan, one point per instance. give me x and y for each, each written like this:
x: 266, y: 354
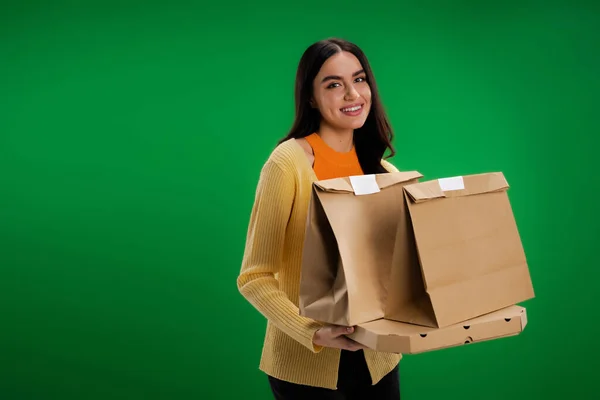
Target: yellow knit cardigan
x: 270, y: 275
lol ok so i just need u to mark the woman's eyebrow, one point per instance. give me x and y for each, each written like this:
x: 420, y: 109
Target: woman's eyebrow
x: 336, y: 77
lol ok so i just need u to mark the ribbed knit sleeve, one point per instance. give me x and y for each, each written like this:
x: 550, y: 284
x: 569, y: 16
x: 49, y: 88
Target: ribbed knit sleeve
x: 263, y: 256
x: 389, y: 166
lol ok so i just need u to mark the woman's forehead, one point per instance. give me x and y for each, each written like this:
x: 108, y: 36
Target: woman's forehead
x: 342, y: 64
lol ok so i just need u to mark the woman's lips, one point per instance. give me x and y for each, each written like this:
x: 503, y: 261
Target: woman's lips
x: 352, y: 110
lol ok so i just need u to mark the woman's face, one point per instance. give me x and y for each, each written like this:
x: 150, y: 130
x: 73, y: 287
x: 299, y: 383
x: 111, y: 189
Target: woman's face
x: 341, y: 92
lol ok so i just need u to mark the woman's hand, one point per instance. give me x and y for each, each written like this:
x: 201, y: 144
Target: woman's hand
x: 334, y: 336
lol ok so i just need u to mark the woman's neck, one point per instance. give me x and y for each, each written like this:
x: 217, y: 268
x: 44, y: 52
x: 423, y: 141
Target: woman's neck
x: 340, y: 141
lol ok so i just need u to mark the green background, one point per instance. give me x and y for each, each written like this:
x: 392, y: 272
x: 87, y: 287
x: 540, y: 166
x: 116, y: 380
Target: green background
x: 132, y: 135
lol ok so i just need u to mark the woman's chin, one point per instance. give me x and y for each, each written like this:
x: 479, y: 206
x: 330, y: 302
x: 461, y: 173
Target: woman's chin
x: 351, y: 124
x: 347, y: 125
x: 356, y: 125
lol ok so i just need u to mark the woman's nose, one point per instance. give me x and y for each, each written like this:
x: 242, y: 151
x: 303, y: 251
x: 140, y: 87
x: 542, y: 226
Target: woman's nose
x: 351, y: 93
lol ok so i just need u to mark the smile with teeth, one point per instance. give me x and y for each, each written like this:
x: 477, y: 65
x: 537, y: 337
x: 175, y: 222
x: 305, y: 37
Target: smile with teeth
x: 352, y: 109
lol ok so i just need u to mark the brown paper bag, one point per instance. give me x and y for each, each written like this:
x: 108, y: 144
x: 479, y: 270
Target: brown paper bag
x: 433, y: 253
x: 471, y: 259
x: 352, y: 241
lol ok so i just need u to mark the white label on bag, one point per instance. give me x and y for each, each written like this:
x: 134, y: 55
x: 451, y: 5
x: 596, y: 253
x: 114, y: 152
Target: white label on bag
x: 364, y: 184
x: 454, y: 183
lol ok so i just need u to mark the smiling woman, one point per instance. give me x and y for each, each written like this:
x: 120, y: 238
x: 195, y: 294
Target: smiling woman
x: 342, y: 94
x: 340, y: 130
x: 337, y: 98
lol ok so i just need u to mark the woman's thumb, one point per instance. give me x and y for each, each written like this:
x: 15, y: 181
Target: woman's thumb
x: 344, y: 330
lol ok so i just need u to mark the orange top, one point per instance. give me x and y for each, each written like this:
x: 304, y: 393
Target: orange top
x: 330, y: 163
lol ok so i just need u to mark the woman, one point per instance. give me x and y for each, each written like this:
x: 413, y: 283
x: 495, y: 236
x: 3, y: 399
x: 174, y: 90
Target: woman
x: 340, y: 130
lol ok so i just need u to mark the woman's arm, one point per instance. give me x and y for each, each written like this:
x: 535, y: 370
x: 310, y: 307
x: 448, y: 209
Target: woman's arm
x: 264, y: 253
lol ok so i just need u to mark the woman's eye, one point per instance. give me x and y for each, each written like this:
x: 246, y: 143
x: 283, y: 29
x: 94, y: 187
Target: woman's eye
x: 361, y: 79
x: 333, y: 85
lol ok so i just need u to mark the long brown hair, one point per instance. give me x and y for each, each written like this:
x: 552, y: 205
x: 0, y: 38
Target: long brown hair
x: 374, y: 137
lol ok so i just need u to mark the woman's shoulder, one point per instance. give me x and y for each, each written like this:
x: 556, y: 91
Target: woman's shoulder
x: 287, y: 155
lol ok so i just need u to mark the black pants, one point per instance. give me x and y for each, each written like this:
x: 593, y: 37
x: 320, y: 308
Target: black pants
x: 354, y: 383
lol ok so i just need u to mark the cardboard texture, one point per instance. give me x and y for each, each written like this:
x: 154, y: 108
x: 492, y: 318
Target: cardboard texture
x: 349, y: 248
x: 469, y: 249
x: 397, y: 258
x: 397, y: 337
